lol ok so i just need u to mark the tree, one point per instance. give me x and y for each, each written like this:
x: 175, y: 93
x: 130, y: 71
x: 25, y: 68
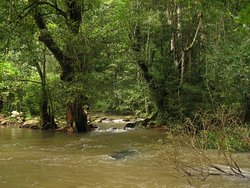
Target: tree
x: 227, y: 68
x: 67, y: 16
x: 174, y: 50
x: 164, y: 40
x: 46, y: 108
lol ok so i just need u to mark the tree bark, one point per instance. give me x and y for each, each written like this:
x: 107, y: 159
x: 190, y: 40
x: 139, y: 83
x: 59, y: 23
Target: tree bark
x: 66, y: 60
x: 1, y: 104
x: 76, y: 116
x: 45, y: 37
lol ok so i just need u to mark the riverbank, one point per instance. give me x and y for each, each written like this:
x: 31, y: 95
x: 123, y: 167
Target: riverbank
x: 231, y: 137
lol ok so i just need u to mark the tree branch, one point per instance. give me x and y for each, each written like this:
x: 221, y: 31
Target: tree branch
x: 47, y: 39
x: 39, y: 70
x: 196, y: 34
x: 26, y: 11
x: 74, y: 10
x: 36, y: 82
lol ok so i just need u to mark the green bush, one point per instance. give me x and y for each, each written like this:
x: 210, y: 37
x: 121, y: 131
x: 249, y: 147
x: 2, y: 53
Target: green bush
x: 32, y: 99
x: 233, y: 140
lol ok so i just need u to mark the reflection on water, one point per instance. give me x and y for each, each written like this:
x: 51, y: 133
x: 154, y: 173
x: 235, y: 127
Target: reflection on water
x: 106, y: 158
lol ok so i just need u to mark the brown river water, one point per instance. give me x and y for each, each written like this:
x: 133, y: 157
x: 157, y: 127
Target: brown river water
x: 105, y: 158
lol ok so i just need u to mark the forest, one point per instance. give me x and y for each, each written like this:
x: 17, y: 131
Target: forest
x: 180, y: 65
x: 177, y: 62
x: 174, y: 60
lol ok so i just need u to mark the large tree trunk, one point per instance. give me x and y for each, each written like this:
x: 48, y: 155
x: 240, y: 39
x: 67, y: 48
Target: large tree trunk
x: 65, y: 58
x: 65, y: 61
x: 76, y: 116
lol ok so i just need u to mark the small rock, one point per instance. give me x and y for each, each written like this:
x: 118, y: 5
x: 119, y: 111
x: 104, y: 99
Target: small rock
x: 4, y: 122
x: 100, y: 120
x: 122, y: 154
x: 93, y: 126
x: 15, y: 113
x: 126, y: 119
x: 29, y: 124
x: 129, y: 125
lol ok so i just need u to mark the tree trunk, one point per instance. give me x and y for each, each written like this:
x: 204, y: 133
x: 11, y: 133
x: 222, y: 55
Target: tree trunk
x: 76, y: 116
x: 65, y: 58
x: 81, y: 118
x: 1, y: 104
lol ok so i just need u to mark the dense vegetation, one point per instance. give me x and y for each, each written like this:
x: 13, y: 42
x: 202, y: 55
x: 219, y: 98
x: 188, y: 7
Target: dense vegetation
x: 179, y: 61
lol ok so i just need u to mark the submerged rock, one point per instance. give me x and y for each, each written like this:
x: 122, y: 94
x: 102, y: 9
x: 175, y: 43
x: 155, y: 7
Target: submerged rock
x: 129, y: 125
x: 140, y: 123
x: 122, y: 154
x: 93, y: 126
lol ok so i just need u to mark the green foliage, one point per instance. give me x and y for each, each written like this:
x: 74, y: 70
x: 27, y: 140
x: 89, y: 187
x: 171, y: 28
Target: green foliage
x: 228, y: 72
x: 216, y: 67
x: 244, y: 15
x: 233, y: 140
x: 193, y: 99
x: 56, y: 93
x: 32, y: 98
x: 10, y: 86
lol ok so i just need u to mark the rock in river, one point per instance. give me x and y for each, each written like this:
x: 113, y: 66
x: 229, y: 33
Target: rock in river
x: 33, y: 124
x: 122, y: 154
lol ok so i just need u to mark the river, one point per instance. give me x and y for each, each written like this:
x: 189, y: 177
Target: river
x: 107, y: 158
